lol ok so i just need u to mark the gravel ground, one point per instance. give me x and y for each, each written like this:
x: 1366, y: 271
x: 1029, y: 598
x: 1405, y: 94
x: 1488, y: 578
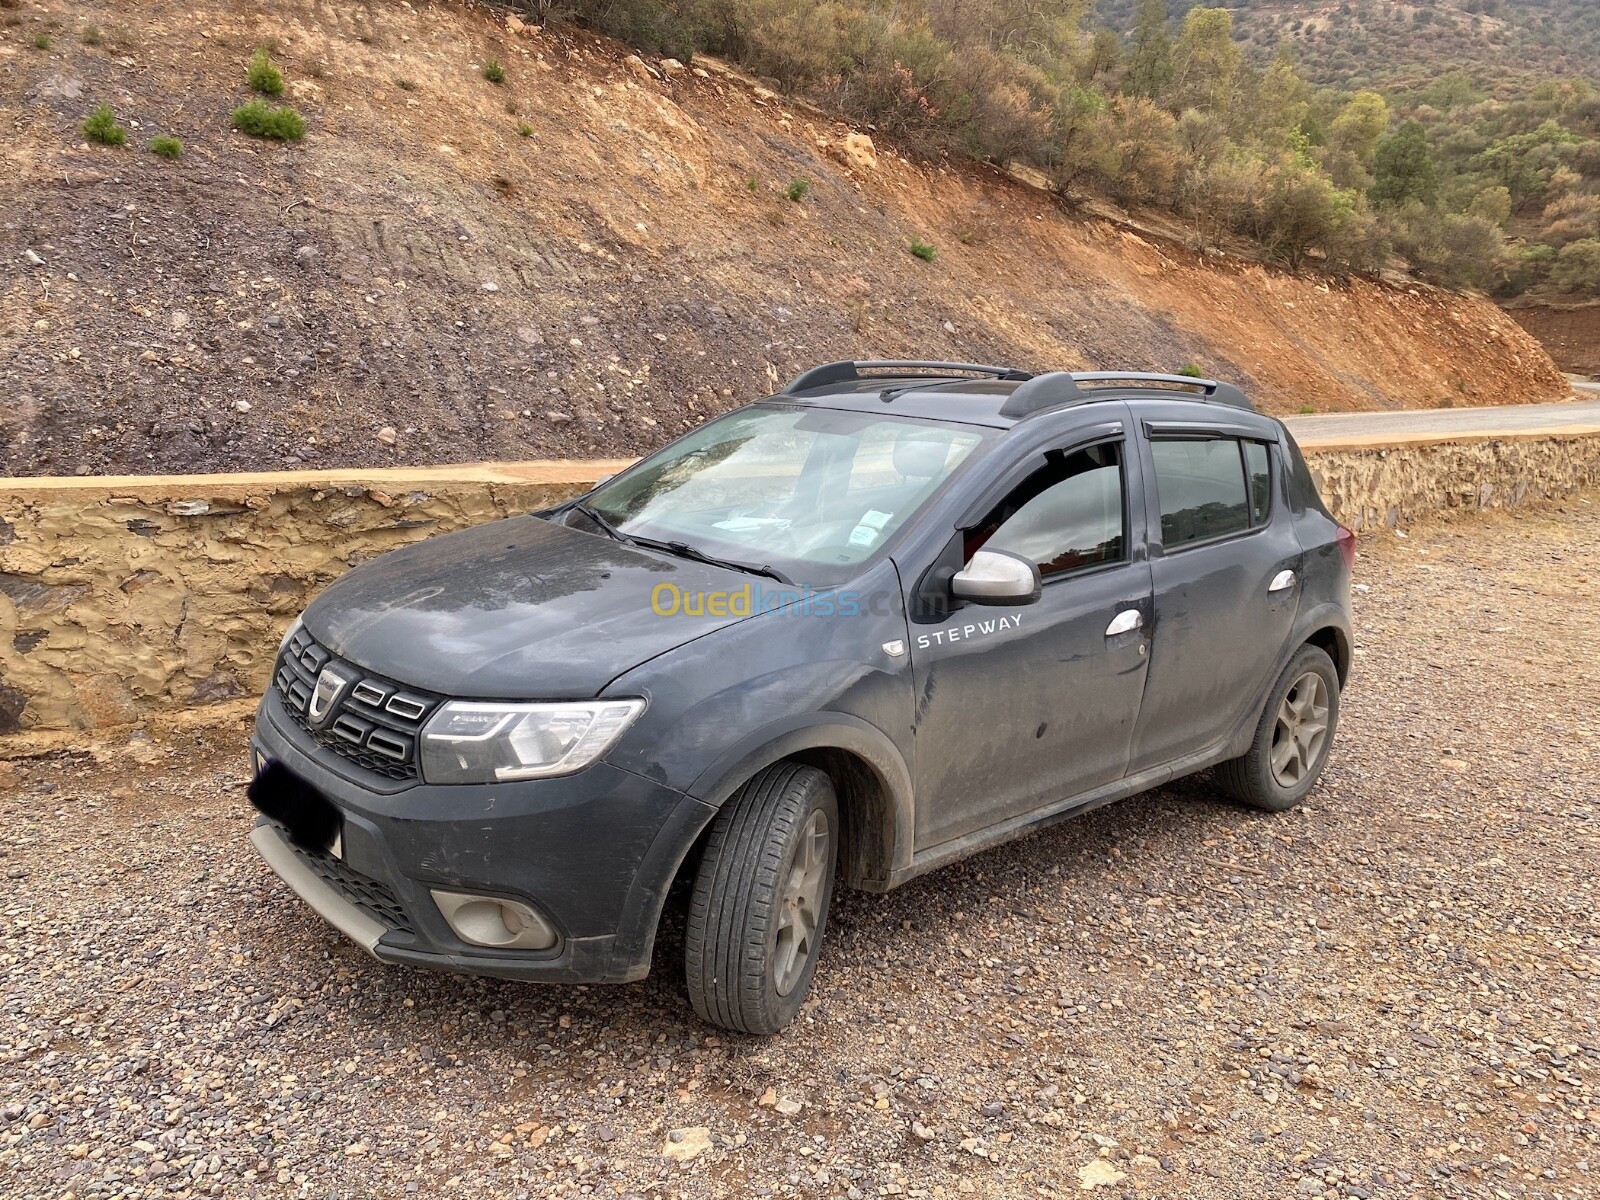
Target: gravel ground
x: 1391, y: 992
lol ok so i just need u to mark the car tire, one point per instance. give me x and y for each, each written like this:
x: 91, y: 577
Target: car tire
x: 1292, y: 739
x: 760, y: 900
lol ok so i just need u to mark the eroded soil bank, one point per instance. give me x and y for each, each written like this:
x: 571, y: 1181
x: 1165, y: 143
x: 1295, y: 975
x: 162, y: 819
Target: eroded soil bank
x: 581, y: 261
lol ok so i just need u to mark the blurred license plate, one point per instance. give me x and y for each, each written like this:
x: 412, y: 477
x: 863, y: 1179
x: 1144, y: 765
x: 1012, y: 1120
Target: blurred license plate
x: 309, y: 816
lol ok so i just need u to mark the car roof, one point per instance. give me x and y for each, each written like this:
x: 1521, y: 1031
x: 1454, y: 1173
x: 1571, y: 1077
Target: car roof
x: 1003, y: 397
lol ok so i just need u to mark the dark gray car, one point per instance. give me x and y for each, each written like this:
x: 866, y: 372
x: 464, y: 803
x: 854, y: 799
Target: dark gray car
x: 891, y: 616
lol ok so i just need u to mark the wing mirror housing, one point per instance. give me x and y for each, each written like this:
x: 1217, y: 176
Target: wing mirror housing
x: 997, y: 577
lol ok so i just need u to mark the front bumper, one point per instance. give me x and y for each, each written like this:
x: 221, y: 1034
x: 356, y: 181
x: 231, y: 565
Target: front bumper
x: 593, y: 852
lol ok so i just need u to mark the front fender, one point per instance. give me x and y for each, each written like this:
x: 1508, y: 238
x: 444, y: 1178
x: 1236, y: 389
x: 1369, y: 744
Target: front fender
x: 868, y: 770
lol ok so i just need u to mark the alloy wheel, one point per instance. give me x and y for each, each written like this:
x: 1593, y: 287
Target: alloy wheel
x: 1301, y: 733
x: 800, y: 903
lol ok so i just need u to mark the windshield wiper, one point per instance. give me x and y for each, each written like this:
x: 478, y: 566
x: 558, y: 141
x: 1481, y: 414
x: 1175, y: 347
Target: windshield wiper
x: 681, y: 549
x: 684, y: 550
x: 606, y: 527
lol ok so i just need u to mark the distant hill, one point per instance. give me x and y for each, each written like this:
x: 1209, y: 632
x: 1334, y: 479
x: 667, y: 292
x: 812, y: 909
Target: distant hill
x: 1376, y: 43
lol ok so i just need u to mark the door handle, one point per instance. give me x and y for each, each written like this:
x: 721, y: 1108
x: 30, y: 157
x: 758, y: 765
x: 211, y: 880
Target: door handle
x: 1281, y: 582
x: 1125, y: 621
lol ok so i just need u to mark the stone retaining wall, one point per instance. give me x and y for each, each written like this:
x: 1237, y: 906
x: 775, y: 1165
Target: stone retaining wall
x: 1375, y: 486
x: 123, y: 597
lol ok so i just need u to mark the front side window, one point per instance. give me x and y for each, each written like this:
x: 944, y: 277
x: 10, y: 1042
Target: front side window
x: 1210, y: 488
x: 1065, y: 517
x: 800, y: 489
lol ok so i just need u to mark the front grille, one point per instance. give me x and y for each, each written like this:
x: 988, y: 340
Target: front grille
x: 367, y: 894
x: 373, y: 722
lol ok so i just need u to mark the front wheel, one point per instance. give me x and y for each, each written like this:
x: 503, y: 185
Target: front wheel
x: 760, y: 901
x: 1292, y: 739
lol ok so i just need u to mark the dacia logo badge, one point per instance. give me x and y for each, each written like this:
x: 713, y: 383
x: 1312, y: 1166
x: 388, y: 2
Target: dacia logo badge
x: 330, y: 686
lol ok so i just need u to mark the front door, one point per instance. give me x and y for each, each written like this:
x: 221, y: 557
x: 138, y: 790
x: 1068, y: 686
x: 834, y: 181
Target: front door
x: 1023, y: 706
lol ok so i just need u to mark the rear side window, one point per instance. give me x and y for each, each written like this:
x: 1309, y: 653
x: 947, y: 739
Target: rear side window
x: 1258, y: 473
x: 1204, y: 491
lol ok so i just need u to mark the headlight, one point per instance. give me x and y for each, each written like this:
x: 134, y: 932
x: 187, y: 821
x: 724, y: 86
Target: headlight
x: 472, y: 742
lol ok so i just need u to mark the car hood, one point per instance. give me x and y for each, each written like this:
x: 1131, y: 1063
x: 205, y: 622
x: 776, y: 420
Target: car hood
x: 516, y: 609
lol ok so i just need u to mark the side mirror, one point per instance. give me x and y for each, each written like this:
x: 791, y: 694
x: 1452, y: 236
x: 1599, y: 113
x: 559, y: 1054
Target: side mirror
x: 997, y: 577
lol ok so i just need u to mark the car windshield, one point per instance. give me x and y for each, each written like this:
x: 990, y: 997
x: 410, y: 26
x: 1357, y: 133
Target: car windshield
x: 805, y: 491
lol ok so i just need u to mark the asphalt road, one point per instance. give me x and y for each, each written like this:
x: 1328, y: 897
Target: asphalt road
x: 1575, y: 416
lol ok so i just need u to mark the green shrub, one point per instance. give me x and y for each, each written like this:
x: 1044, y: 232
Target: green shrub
x: 923, y: 250
x: 167, y: 147
x: 1191, y: 371
x: 101, y: 127
x: 260, y: 119
x: 752, y: 184
x: 41, y: 41
x: 524, y: 129
x: 91, y: 35
x: 797, y: 190
x: 493, y: 71
x: 1577, y: 267
x: 263, y: 76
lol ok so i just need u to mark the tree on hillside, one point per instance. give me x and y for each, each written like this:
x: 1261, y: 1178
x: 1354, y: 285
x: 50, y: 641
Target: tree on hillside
x: 1524, y: 163
x: 1303, y: 210
x: 1352, y: 140
x: 1081, y: 148
x: 1104, y: 56
x: 1041, y: 31
x: 1150, y: 58
x: 1205, y: 61
x: 1577, y: 268
x: 1493, y: 204
x: 1360, y: 125
x: 1146, y: 153
x: 1272, y: 105
x: 1403, y: 169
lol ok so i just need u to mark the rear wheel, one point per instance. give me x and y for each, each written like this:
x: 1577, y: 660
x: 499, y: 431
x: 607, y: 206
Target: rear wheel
x: 760, y: 900
x: 1293, y: 738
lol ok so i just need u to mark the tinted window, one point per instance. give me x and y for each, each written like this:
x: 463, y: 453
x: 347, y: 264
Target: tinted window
x: 1260, y: 476
x: 1201, y: 488
x: 1066, y: 516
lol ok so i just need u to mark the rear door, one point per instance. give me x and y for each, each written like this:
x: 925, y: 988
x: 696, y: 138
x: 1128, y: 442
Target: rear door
x: 1225, y: 569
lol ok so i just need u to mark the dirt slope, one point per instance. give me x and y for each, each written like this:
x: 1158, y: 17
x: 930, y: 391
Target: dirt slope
x: 1572, y: 335
x: 418, y: 282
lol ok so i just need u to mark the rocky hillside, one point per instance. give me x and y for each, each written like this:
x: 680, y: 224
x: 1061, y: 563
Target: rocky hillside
x: 583, y: 258
x: 1407, y: 43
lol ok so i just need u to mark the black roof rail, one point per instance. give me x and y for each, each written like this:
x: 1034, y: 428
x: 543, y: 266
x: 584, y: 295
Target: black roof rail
x: 1209, y: 389
x: 851, y: 372
x: 1062, y: 387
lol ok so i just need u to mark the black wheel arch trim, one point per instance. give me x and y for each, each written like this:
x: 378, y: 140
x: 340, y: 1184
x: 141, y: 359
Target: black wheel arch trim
x: 1326, y: 616
x: 880, y: 821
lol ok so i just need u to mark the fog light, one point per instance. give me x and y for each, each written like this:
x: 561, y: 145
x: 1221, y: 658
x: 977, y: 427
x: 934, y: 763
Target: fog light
x: 491, y: 921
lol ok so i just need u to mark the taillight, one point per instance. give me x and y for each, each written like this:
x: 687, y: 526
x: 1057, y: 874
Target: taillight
x: 1347, y: 547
